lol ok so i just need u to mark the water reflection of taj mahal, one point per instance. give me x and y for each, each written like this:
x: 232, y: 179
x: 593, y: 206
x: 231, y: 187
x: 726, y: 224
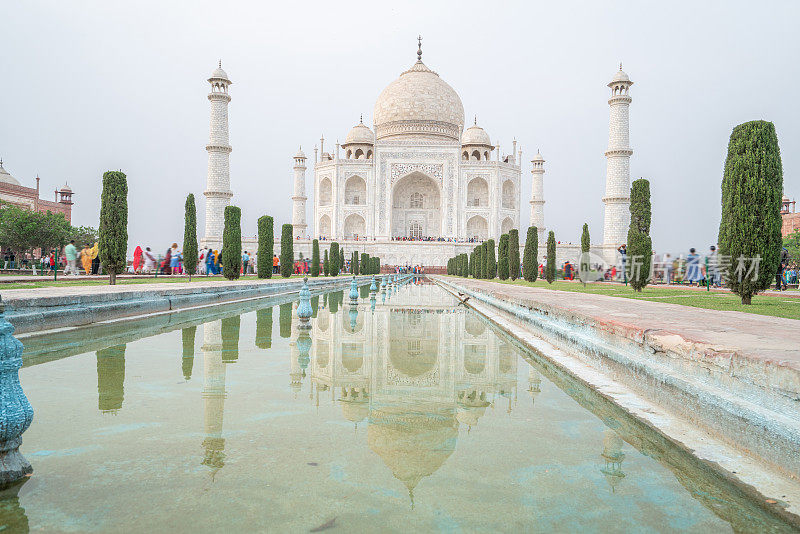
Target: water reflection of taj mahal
x: 413, y: 371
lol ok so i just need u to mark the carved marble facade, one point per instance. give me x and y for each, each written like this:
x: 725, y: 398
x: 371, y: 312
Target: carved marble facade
x: 423, y: 176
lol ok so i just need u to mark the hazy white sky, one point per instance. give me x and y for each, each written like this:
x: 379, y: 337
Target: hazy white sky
x: 90, y: 86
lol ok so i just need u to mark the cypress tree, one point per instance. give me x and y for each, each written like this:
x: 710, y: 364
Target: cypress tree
x: 584, y: 267
x: 640, y: 246
x: 334, y: 259
x: 464, y: 265
x: 354, y: 263
x: 750, y: 226
x: 287, y: 250
x: 376, y: 265
x: 530, y: 263
x: 479, y: 261
x: 113, y: 242
x: 471, y: 263
x: 550, y: 268
x: 232, y: 243
x: 315, y: 258
x: 502, y: 258
x: 366, y: 266
x: 190, y: 252
x: 266, y: 247
x: 341, y: 260
x: 513, y: 253
x: 491, y: 261
x: 326, y: 268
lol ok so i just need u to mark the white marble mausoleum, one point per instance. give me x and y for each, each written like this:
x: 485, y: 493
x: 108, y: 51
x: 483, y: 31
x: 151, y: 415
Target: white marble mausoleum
x: 419, y: 187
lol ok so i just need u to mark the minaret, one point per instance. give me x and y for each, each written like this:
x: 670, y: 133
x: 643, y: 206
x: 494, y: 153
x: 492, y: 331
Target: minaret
x: 218, y: 183
x: 618, y: 175
x: 537, y: 196
x: 299, y: 198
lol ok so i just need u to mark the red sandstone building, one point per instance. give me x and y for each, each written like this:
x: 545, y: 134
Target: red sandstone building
x: 12, y: 192
x: 791, y: 219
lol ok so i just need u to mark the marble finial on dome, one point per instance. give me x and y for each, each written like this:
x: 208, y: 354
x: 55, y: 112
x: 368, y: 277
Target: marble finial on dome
x: 419, y: 48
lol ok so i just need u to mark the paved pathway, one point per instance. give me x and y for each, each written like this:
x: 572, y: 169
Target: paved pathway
x: 772, y: 340
x: 10, y: 295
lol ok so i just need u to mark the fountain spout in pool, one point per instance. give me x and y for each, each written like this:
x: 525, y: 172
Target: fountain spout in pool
x: 16, y: 412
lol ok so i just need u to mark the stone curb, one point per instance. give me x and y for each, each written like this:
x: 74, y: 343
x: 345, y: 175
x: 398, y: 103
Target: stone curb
x: 749, y: 403
x: 34, y: 314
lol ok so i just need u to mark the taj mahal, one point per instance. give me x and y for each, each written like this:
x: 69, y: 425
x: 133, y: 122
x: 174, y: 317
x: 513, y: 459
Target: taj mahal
x: 420, y: 186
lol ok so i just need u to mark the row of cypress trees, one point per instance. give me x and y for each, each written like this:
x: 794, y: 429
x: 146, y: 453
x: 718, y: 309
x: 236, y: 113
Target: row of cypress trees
x: 480, y: 263
x: 232, y: 246
x: 364, y: 264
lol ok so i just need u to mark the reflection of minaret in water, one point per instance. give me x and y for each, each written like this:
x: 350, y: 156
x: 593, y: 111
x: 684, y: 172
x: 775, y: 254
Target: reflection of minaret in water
x: 534, y: 384
x: 110, y: 378
x: 264, y: 328
x: 613, y: 456
x: 213, y: 395
x: 187, y: 363
x: 12, y: 514
x: 295, y: 373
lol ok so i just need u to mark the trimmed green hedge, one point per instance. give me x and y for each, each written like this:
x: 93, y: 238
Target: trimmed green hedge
x: 232, y: 243
x: 266, y: 247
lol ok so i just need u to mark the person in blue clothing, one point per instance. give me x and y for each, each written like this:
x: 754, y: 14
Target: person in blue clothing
x: 693, y: 273
x: 245, y: 261
x: 211, y: 266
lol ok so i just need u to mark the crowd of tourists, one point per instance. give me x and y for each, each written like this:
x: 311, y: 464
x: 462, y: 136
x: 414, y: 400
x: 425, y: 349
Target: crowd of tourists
x: 693, y: 269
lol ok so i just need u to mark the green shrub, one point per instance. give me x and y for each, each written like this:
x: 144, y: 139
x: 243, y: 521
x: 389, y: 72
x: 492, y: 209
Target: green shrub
x: 550, y: 268
x: 113, y: 243
x: 190, y: 252
x: 315, y: 258
x: 334, y: 259
x: 640, y: 246
x: 232, y: 243
x: 530, y: 258
x: 750, y: 226
x: 266, y: 247
x: 287, y: 250
x: 502, y: 261
x: 513, y: 253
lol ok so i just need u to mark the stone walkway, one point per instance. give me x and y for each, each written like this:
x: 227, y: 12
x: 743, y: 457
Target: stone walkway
x: 10, y: 295
x: 683, y: 329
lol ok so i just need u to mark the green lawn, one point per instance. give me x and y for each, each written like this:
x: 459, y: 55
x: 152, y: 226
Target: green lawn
x: 773, y: 305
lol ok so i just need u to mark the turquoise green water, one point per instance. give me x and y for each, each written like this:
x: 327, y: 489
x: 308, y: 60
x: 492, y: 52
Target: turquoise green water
x: 412, y: 416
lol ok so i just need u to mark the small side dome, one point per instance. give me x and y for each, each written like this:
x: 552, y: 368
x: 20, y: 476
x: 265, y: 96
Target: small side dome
x: 475, y: 135
x: 537, y: 157
x: 5, y: 176
x: 66, y: 189
x: 620, y: 77
x: 360, y: 135
x: 219, y: 74
x: 300, y: 153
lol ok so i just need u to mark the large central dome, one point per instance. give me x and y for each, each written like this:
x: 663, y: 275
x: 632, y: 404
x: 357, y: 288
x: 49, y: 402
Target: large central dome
x: 419, y: 104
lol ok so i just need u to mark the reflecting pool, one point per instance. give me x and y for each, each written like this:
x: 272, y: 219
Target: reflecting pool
x: 404, y: 413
